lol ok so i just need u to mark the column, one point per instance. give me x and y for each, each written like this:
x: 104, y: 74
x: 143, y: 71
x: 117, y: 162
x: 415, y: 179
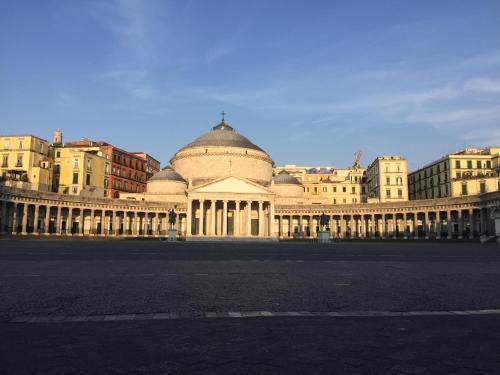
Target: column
x: 438, y: 225
x: 342, y: 226
x: 471, y: 223
x: 372, y: 226
x: 261, y: 220
x: 58, y: 221
x: 113, y: 224
x: 82, y: 221
x: 133, y: 223
x: 426, y: 225
x: 460, y: 222
x: 301, y: 225
x: 103, y: 218
x: 224, y: 219
x: 189, y: 217
x: 202, y: 217
x: 14, y: 218
x: 237, y: 219
x: 405, y: 223
x: 249, y: 218
x: 35, y: 219
x: 69, y: 222
x: 24, y: 230
x: 213, y: 217
x: 4, y: 217
x: 450, y: 225
x: 415, y: 225
x: 482, y: 222
x: 310, y: 225
x: 280, y: 226
x: 47, y: 220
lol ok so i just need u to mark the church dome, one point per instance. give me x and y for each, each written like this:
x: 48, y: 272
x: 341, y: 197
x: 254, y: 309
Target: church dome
x: 167, y: 174
x: 166, y: 181
x: 285, y: 178
x: 222, y: 135
x: 222, y: 152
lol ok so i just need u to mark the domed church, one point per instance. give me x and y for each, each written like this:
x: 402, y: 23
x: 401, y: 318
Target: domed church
x: 227, y: 184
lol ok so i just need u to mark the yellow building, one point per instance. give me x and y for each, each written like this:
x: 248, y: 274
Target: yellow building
x: 386, y: 180
x: 79, y: 171
x: 468, y: 172
x: 25, y: 162
x: 329, y: 184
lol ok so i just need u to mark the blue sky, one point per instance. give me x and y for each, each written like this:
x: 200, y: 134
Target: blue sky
x: 311, y: 82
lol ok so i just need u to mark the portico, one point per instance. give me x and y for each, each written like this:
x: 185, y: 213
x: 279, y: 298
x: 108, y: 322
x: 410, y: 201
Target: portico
x: 230, y: 208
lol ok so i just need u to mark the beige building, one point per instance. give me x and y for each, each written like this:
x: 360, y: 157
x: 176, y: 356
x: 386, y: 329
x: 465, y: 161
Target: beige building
x: 222, y: 187
x: 468, y: 172
x: 81, y: 171
x: 386, y: 180
x: 25, y: 162
x: 329, y: 184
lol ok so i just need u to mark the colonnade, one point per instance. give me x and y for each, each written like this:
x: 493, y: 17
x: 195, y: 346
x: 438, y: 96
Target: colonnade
x: 45, y: 219
x: 457, y: 223
x: 222, y: 218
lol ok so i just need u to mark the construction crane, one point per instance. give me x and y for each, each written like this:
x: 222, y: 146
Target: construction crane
x: 357, y: 158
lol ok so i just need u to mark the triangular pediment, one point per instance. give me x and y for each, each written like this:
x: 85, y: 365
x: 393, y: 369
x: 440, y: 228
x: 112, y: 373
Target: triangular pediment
x: 231, y: 185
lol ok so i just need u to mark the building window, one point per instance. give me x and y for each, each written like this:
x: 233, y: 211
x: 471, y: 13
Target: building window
x: 478, y: 164
x: 458, y: 175
x: 363, y: 190
x: 488, y: 164
x: 58, y: 154
x: 75, y: 178
x: 87, y: 179
x: 399, y: 180
x: 482, y: 187
x: 464, y: 189
x: 388, y: 180
x: 76, y: 163
x: 388, y: 193
x: 354, y: 200
x: 5, y: 161
x: 344, y: 200
x: 469, y: 164
x: 335, y: 200
x: 457, y: 164
x: 400, y: 193
x: 106, y: 169
x: 353, y: 190
x: 344, y: 189
x: 325, y: 189
x: 19, y: 162
x: 20, y: 144
x: 89, y: 164
x: 334, y: 189
x: 75, y: 190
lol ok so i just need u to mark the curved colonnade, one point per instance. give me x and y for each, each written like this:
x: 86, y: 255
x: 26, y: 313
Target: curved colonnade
x: 24, y: 212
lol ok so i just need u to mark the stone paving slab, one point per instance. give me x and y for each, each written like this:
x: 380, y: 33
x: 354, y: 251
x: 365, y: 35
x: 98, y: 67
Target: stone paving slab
x: 245, y: 314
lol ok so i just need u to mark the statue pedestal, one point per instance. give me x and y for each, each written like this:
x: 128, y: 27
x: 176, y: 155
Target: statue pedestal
x: 323, y: 236
x: 172, y: 235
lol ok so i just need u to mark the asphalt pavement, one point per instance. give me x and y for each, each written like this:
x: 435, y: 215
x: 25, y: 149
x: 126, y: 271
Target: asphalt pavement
x: 141, y: 307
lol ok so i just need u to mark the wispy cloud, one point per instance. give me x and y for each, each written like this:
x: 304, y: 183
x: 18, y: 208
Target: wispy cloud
x: 484, y: 85
x: 217, y: 53
x: 63, y: 98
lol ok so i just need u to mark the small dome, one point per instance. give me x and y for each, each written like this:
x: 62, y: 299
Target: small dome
x: 284, y: 178
x: 167, y: 174
x: 222, y: 135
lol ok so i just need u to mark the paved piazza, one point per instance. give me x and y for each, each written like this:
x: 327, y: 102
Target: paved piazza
x: 151, y: 307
